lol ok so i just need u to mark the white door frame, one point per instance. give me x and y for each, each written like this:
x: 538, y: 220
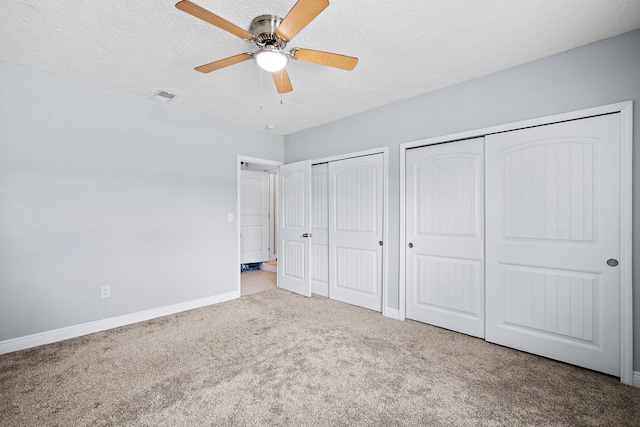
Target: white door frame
x: 239, y: 159
x: 386, y: 310
x: 626, y: 215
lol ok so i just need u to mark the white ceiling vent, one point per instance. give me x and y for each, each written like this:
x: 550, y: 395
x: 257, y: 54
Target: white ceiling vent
x: 163, y: 96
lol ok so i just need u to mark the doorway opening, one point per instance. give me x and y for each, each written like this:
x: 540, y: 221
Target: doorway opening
x: 256, y: 225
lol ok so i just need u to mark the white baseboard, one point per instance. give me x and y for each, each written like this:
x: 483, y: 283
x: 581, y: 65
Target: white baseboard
x: 636, y: 379
x: 269, y: 267
x: 392, y: 313
x: 74, y: 331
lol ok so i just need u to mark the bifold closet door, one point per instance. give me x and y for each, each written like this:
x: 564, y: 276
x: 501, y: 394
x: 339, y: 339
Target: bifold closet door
x: 355, y: 230
x: 444, y: 235
x: 552, y: 232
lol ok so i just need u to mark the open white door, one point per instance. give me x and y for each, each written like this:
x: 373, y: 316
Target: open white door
x: 294, y: 227
x: 254, y: 216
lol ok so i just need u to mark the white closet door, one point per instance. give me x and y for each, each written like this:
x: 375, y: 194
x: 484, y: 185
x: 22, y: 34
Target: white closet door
x: 552, y: 200
x: 355, y: 231
x: 254, y: 216
x: 294, y: 226
x: 320, y: 229
x: 444, y: 226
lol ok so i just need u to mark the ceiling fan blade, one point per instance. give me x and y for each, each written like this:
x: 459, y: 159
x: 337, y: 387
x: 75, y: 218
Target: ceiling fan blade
x: 216, y: 65
x: 325, y: 58
x: 281, y: 79
x: 211, y: 18
x: 303, y: 12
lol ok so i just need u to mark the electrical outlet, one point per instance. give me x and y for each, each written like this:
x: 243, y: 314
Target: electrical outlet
x: 105, y: 291
x: 230, y: 217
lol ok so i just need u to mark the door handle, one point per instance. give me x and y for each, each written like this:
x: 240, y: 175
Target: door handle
x: 410, y: 245
x: 612, y: 262
x: 307, y: 235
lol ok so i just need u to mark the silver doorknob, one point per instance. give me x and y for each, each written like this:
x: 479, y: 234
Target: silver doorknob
x: 612, y: 262
x: 410, y: 245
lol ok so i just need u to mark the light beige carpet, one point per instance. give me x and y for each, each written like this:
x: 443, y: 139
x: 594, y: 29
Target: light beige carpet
x: 275, y: 358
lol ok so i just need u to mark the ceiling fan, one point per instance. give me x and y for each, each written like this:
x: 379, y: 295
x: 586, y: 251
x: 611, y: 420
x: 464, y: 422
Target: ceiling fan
x: 271, y: 34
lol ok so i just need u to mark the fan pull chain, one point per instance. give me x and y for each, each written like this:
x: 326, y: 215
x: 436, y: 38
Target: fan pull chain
x: 281, y: 80
x: 261, y: 96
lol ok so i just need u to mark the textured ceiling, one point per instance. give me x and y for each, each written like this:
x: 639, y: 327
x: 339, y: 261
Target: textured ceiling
x: 405, y: 47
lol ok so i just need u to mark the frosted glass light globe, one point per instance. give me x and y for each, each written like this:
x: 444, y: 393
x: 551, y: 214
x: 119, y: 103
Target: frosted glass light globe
x: 271, y: 59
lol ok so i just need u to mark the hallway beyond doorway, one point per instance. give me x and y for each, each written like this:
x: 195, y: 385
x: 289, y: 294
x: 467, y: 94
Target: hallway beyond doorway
x: 254, y: 281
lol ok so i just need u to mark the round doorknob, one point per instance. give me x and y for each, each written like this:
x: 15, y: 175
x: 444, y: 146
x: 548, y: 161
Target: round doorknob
x: 410, y: 245
x: 612, y: 262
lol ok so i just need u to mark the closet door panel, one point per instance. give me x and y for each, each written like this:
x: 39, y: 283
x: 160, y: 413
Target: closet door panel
x: 553, y: 223
x: 444, y: 218
x: 320, y: 229
x: 355, y: 230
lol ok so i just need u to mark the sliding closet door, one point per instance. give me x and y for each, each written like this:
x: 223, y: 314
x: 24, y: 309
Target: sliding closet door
x: 553, y: 286
x: 294, y: 227
x: 444, y: 235
x: 355, y: 231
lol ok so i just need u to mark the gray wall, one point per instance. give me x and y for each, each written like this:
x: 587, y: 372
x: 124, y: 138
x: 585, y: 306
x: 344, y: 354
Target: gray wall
x: 101, y: 188
x: 602, y: 73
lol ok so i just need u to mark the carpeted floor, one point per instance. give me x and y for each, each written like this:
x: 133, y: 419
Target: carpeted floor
x: 275, y: 358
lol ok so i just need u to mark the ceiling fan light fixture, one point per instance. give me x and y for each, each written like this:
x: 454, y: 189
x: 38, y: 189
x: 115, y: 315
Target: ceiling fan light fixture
x: 271, y: 59
x: 271, y: 34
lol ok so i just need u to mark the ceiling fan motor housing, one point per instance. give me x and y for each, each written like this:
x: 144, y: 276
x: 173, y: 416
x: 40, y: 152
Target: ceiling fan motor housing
x: 264, y: 29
